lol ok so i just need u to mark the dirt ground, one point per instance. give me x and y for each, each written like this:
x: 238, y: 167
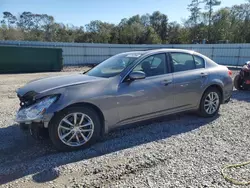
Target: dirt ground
x: 175, y: 151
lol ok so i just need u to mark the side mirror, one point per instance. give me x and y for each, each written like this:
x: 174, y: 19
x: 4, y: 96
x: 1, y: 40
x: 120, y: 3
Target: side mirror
x: 137, y: 75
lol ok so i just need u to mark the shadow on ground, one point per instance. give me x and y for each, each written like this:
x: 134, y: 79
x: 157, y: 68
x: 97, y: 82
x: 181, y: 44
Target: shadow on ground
x: 241, y: 95
x: 23, y: 156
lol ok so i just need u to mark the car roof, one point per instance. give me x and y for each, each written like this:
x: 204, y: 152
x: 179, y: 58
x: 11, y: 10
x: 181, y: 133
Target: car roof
x: 133, y: 52
x: 160, y: 50
x: 170, y: 50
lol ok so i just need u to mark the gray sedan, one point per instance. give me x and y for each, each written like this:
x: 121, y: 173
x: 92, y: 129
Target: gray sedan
x: 129, y: 87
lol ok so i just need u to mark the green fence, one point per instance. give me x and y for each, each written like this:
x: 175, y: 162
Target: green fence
x: 26, y: 59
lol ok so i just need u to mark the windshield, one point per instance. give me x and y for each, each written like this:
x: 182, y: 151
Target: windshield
x: 114, y: 65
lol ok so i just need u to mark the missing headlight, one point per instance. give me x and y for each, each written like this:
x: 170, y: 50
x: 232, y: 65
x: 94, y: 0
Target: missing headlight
x: 36, y: 110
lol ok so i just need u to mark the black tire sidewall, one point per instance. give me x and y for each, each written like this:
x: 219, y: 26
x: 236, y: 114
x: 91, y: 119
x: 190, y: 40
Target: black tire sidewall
x: 237, y: 81
x: 202, y: 111
x: 53, y: 128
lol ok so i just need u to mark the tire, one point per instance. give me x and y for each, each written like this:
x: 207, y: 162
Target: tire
x: 24, y: 127
x: 204, y: 104
x: 56, y: 132
x: 237, y: 82
x: 228, y: 100
x: 38, y: 132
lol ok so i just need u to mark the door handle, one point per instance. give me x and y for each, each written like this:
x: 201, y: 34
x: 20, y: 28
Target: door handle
x: 166, y: 82
x: 203, y: 74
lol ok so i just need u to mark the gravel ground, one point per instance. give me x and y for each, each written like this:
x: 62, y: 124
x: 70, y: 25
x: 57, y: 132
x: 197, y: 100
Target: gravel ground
x: 175, y: 151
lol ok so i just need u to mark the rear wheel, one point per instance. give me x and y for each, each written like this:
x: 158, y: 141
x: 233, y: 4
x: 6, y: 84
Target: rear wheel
x: 210, y: 102
x: 238, y: 82
x: 75, y: 128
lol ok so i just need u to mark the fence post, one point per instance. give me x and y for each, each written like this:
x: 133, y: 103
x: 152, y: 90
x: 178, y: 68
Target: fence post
x: 238, y: 61
x: 85, y: 53
x: 110, y: 51
x: 212, y: 56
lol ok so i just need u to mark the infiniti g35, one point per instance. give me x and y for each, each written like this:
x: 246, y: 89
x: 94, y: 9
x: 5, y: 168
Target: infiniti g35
x: 129, y: 87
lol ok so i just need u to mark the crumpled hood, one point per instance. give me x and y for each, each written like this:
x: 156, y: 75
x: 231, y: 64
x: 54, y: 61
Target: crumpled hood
x: 50, y: 83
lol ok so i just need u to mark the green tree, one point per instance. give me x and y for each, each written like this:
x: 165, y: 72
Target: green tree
x: 8, y: 19
x: 194, y: 17
x: 222, y: 25
x: 62, y: 33
x: 133, y: 30
x: 151, y: 37
x: 145, y: 20
x: 159, y: 22
x: 131, y: 34
x: 174, y: 33
x: 209, y: 5
x: 231, y: 23
x: 194, y: 9
x: 47, y: 25
x: 8, y: 30
x: 241, y: 22
x: 101, y: 31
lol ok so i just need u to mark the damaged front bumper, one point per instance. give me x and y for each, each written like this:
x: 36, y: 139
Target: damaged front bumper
x: 35, y: 112
x: 43, y: 121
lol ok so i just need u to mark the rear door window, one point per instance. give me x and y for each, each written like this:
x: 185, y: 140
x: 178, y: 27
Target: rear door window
x: 182, y: 62
x: 199, y: 62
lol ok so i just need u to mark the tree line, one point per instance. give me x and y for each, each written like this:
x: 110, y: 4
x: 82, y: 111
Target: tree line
x: 228, y: 24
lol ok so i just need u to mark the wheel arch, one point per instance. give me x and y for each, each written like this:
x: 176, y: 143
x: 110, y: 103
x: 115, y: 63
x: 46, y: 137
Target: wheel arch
x: 218, y: 87
x: 201, y: 110
x: 92, y: 106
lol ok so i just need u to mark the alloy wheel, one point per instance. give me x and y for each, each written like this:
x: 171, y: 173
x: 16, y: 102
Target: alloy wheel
x: 212, y: 102
x: 75, y: 129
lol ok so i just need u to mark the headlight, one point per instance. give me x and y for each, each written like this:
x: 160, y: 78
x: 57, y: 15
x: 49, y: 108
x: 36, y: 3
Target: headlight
x: 36, y: 110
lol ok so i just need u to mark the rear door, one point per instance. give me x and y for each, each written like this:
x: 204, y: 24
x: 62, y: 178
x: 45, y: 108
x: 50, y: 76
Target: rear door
x: 189, y: 78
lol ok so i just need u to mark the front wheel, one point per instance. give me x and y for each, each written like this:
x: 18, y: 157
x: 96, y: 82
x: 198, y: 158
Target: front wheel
x: 210, y: 102
x: 75, y: 128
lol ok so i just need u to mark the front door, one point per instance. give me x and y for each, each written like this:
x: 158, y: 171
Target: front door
x: 149, y: 97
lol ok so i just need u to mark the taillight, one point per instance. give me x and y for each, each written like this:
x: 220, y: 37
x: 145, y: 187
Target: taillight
x: 230, y: 73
